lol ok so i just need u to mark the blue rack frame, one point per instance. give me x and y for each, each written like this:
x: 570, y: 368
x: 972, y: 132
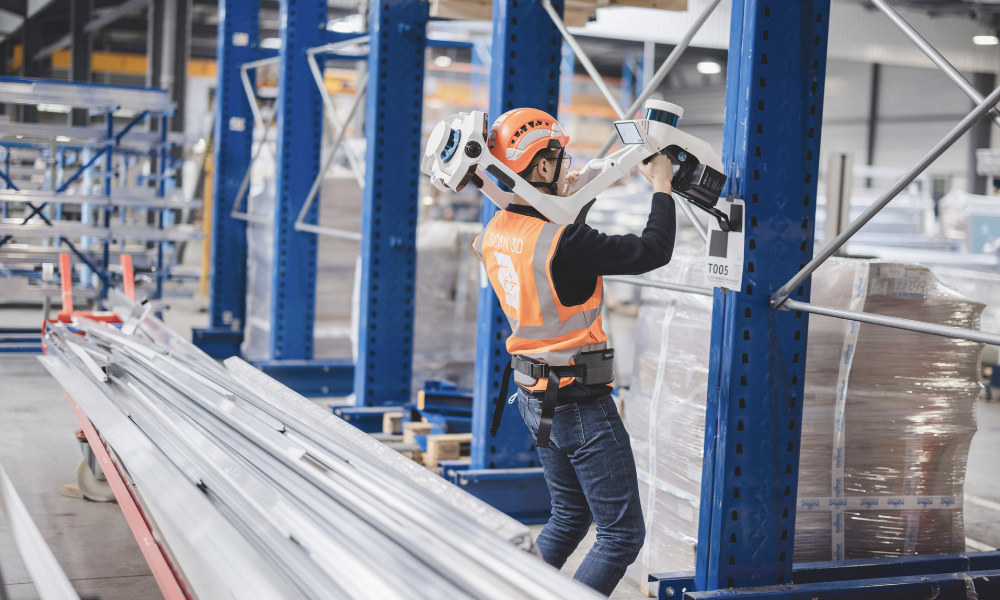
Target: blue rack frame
x: 777, y: 64
x: 154, y: 104
x: 389, y: 218
x: 293, y: 275
x: 299, y: 123
x: 299, y: 143
x: 504, y: 469
x: 239, y: 35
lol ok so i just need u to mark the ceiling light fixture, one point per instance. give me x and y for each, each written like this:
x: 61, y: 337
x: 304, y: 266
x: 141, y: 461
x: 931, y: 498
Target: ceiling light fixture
x: 985, y: 40
x: 709, y: 67
x: 442, y: 62
x: 271, y: 43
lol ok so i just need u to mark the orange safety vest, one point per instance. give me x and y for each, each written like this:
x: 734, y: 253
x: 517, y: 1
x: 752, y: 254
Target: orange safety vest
x: 517, y: 251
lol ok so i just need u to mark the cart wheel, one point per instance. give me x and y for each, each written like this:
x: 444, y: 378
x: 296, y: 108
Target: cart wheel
x: 92, y: 488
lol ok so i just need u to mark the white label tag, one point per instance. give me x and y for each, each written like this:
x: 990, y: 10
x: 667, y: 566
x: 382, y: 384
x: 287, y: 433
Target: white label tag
x: 724, y: 250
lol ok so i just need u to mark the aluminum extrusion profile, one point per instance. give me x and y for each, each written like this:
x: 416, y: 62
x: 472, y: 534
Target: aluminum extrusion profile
x: 306, y: 486
x: 48, y: 577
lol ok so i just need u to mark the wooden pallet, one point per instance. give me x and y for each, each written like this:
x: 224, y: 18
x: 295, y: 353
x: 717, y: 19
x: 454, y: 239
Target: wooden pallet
x: 575, y: 14
x: 392, y: 423
x: 446, y: 446
x: 414, y: 428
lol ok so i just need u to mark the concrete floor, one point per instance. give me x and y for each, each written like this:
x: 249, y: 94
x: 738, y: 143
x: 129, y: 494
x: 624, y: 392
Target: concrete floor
x: 96, y: 549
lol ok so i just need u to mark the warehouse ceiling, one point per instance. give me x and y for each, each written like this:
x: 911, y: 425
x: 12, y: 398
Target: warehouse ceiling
x: 978, y: 10
x: 128, y: 34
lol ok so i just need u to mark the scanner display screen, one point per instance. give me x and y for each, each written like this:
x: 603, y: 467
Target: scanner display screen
x: 628, y: 132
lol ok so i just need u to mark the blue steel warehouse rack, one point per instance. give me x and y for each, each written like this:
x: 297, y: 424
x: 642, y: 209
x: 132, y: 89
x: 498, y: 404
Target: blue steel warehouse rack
x: 90, y: 150
x: 239, y: 35
x: 389, y: 220
x: 299, y: 127
x: 774, y: 107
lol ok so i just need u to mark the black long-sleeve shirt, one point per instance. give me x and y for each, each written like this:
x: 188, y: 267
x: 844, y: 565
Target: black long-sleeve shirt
x: 584, y: 254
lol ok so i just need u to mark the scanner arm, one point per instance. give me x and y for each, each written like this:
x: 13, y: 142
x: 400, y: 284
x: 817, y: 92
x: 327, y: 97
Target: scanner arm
x: 456, y: 154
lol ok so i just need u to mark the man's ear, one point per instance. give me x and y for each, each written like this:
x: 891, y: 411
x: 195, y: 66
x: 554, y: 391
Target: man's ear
x: 545, y: 169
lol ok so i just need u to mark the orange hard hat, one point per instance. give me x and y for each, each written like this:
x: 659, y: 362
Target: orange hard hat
x: 520, y: 133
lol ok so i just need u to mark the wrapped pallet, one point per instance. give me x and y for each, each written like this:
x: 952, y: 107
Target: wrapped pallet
x: 447, y: 299
x: 888, y: 417
x: 665, y: 415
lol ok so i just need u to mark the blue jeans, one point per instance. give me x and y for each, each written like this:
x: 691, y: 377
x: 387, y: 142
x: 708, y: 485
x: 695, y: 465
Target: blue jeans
x: 590, y: 474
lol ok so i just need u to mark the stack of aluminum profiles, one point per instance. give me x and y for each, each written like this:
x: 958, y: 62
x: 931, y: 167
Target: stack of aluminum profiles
x: 256, y: 492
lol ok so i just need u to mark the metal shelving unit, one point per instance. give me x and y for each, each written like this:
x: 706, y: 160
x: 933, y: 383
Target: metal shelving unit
x: 89, y: 168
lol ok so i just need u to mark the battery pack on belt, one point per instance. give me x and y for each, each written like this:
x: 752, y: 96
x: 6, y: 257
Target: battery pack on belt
x: 591, y: 368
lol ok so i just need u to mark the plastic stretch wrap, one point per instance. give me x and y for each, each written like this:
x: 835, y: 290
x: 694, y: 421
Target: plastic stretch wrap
x: 887, y: 482
x: 444, y: 345
x: 972, y: 219
x: 891, y: 474
x: 665, y: 414
x: 260, y: 259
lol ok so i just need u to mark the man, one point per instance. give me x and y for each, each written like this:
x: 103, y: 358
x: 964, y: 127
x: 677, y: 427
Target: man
x: 547, y: 277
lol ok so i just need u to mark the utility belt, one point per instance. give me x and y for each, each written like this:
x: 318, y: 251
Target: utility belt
x: 590, y: 368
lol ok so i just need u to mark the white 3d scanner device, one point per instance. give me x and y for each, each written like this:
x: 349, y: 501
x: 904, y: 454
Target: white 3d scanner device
x: 456, y: 154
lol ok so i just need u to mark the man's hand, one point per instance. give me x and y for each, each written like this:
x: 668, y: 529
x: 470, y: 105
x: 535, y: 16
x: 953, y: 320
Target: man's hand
x: 569, y: 182
x: 659, y: 171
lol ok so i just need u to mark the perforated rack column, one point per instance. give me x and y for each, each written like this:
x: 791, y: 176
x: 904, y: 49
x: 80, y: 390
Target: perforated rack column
x: 774, y: 106
x: 300, y: 129
x: 389, y: 219
x: 527, y: 52
x: 233, y: 137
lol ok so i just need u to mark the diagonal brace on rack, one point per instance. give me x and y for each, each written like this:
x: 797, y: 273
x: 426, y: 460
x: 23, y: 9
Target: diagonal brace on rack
x: 780, y: 299
x: 964, y: 125
x: 658, y: 77
x: 258, y: 120
x: 340, y: 129
x: 79, y: 172
x: 357, y: 162
x: 936, y: 57
x: 300, y: 224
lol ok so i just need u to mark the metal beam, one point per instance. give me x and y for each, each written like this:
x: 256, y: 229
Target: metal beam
x: 964, y: 125
x: 31, y: 35
x: 960, y: 333
x: 154, y: 43
x: 979, y: 137
x: 393, y: 113
x: 182, y: 54
x: 300, y: 128
x: 583, y: 58
x: 940, y: 61
x: 871, y: 138
x: 81, y: 12
x: 233, y: 138
x: 92, y: 26
x: 663, y: 285
x: 774, y: 110
x: 657, y: 78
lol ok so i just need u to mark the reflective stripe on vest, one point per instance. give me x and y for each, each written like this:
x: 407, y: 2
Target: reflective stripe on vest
x: 517, y: 251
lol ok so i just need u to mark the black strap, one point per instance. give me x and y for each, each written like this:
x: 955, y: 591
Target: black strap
x: 501, y: 399
x: 548, y: 408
